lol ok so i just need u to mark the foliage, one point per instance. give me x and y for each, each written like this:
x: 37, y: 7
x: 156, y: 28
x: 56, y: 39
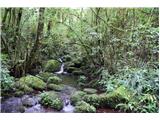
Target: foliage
x: 7, y: 81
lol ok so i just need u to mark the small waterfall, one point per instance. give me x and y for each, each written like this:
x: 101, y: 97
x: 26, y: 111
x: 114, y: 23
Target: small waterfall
x: 68, y: 108
x: 62, y: 68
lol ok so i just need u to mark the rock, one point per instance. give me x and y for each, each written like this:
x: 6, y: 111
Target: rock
x: 77, y: 72
x: 120, y: 95
x: 55, y: 87
x: 29, y: 101
x: 35, y: 109
x: 90, y: 90
x: 45, y: 75
x: 19, y: 93
x: 12, y: 105
x: 83, y: 107
x: 32, y: 82
x: 51, y: 99
x: 22, y: 88
x: 77, y: 96
x: 92, y: 99
x: 52, y: 66
x: 54, y: 80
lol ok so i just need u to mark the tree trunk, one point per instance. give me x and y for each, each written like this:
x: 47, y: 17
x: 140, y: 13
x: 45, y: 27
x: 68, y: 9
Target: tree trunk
x: 30, y: 59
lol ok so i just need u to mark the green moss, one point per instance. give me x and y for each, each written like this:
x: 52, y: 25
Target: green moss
x: 33, y: 82
x: 45, y: 75
x: 77, y: 72
x: 51, y: 99
x: 77, y: 96
x: 120, y: 95
x: 83, y: 107
x: 52, y: 66
x: 19, y: 93
x: 21, y: 86
x: 90, y: 90
x: 56, y: 87
x: 92, y: 100
x: 54, y: 80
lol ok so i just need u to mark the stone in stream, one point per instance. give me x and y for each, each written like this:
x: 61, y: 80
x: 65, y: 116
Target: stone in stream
x: 35, y: 109
x: 90, y: 90
x: 29, y: 101
x: 12, y: 105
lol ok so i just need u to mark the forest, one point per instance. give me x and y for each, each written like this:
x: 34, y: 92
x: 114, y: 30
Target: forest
x: 79, y: 60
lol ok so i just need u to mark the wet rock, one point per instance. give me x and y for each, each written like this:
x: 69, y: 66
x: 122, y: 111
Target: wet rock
x: 12, y: 105
x: 29, y: 101
x: 35, y: 109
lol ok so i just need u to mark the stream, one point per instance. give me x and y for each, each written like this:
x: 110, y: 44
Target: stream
x: 31, y: 103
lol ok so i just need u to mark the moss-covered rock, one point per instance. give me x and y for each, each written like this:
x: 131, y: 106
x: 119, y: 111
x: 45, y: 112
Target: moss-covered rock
x: 90, y: 90
x: 56, y: 87
x: 19, y: 93
x: 51, y: 99
x: 120, y: 95
x: 92, y: 99
x: 45, y: 75
x: 77, y: 72
x: 54, y: 80
x: 32, y: 82
x: 77, y: 96
x: 52, y: 66
x: 22, y: 87
x: 83, y: 107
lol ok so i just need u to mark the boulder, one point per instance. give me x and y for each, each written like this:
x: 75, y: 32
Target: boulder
x: 54, y: 80
x: 83, y: 107
x: 52, y: 66
x: 45, y: 75
x: 92, y: 99
x: 56, y: 87
x: 29, y: 101
x: 90, y: 90
x: 77, y: 96
x: 32, y: 82
x: 51, y: 99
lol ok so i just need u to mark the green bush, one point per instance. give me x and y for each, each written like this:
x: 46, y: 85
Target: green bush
x: 83, y: 107
x: 7, y: 81
x: 51, y: 99
x: 52, y: 66
x: 77, y: 96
